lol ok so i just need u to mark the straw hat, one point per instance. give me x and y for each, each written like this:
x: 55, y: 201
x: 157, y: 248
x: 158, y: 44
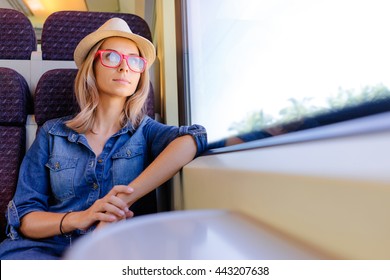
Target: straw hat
x: 114, y: 27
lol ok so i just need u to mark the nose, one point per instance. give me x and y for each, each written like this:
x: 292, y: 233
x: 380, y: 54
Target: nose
x: 123, y: 66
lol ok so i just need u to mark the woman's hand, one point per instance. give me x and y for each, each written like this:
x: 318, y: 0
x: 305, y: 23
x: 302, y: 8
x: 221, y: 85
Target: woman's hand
x: 108, y: 209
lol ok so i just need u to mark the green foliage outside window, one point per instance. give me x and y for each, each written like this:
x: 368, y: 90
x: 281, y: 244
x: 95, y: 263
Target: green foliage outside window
x: 303, y: 108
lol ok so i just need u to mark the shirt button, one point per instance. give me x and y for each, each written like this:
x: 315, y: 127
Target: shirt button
x: 57, y: 165
x: 100, y: 160
x: 95, y: 186
x: 128, y: 152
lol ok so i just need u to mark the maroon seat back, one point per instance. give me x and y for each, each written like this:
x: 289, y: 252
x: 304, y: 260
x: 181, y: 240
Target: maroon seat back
x: 15, y: 102
x: 17, y: 36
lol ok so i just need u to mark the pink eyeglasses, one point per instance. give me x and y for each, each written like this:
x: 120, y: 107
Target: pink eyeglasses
x: 112, y: 59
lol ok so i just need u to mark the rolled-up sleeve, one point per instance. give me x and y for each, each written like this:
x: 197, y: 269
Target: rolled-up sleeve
x: 159, y: 135
x: 199, y: 134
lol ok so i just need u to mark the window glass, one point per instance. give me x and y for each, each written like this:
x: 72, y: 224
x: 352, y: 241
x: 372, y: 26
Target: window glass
x: 253, y: 64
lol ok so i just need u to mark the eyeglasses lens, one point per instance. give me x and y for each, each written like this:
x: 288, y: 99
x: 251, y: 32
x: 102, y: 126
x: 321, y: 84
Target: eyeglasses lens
x: 136, y: 63
x: 111, y: 59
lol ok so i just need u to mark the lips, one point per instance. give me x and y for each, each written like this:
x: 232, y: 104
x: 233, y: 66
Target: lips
x: 124, y: 81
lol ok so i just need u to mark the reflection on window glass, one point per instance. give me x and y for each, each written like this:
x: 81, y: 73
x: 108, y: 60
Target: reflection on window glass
x: 255, y: 64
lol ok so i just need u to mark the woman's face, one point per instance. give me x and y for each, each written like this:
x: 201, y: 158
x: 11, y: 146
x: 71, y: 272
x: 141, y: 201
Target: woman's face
x: 119, y: 81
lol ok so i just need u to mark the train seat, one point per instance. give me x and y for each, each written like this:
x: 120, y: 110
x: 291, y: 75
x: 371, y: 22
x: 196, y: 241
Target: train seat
x: 17, y: 36
x: 15, y: 105
x: 54, y: 95
x: 63, y: 30
x: 17, y: 43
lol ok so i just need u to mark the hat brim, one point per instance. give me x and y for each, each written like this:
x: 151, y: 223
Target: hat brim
x: 144, y: 45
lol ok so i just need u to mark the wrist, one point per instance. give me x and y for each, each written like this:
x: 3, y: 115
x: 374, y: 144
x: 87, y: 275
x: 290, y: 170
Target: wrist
x: 64, y: 230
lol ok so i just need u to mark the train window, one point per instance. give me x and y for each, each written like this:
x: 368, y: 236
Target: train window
x: 256, y: 69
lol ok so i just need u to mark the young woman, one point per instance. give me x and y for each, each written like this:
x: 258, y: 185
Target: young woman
x: 85, y: 171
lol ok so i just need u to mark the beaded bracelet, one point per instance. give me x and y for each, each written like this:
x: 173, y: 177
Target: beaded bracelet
x: 62, y: 219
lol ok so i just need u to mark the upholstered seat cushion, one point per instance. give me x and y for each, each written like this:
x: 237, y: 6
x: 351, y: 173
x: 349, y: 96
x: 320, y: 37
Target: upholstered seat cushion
x: 12, y: 148
x: 63, y: 30
x: 15, y: 100
x: 17, y: 35
x: 54, y: 96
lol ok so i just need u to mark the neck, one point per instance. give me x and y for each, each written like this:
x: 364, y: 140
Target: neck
x: 107, y: 120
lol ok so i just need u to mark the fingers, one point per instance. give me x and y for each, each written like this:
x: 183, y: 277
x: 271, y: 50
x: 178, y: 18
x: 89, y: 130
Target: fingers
x: 106, y: 217
x: 113, y: 207
x: 110, y: 208
x: 129, y: 214
x: 121, y: 189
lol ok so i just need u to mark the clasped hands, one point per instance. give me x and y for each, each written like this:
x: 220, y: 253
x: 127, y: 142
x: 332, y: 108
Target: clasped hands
x: 111, y: 208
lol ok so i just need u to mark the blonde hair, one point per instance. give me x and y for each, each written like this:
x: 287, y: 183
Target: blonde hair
x: 87, y: 96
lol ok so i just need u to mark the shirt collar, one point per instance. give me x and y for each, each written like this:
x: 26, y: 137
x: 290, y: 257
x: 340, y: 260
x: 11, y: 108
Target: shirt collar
x: 60, y: 129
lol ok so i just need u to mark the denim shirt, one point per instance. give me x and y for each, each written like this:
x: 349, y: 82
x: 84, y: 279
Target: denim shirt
x: 61, y: 173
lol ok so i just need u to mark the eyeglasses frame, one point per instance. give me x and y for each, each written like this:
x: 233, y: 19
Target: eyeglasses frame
x: 123, y: 56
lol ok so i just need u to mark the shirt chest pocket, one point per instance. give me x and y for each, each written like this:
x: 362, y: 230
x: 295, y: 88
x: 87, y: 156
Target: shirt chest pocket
x: 62, y: 173
x: 127, y: 164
